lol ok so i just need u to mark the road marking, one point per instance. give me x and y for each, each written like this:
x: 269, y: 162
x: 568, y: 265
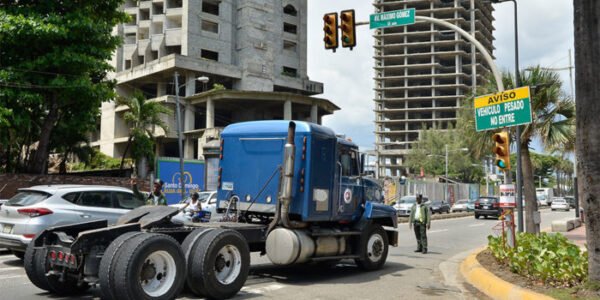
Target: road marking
x: 477, y: 225
x: 262, y: 290
x: 10, y: 269
x: 436, y: 231
x: 10, y: 277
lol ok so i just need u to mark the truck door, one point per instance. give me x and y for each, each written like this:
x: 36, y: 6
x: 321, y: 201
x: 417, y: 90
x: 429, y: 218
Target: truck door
x: 348, y: 183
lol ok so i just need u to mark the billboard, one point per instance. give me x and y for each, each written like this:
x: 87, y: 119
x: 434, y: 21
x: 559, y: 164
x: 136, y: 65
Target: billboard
x: 167, y: 169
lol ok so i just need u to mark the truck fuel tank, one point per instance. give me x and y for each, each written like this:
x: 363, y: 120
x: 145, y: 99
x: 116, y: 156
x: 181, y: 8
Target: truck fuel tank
x: 288, y: 246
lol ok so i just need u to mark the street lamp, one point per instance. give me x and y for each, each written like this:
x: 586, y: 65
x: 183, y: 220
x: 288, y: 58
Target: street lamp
x: 446, y: 176
x: 203, y: 79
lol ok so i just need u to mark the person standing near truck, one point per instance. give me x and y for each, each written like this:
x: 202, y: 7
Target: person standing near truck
x: 420, y: 218
x: 156, y: 197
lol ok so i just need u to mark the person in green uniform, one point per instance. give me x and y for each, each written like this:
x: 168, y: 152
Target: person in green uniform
x: 157, y: 197
x: 420, y: 218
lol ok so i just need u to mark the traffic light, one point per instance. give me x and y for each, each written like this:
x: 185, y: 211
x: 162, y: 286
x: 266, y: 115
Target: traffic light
x: 330, y: 30
x: 348, y: 26
x: 502, y: 150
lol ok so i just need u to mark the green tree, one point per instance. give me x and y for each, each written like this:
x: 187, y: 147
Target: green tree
x: 54, y: 57
x: 587, y: 68
x: 430, y: 151
x: 142, y: 116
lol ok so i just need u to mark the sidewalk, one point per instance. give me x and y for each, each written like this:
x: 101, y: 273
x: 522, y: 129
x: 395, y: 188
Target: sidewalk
x: 577, y: 236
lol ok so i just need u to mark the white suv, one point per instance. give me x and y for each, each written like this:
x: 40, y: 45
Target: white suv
x: 35, y: 208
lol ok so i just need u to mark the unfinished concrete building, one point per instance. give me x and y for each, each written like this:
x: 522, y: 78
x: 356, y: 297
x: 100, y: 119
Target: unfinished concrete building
x: 253, y: 50
x: 423, y: 71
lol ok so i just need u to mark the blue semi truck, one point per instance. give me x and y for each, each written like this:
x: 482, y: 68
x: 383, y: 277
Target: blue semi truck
x: 290, y: 190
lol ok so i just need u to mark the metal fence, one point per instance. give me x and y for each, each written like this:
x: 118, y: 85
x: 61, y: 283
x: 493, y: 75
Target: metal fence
x: 394, y: 188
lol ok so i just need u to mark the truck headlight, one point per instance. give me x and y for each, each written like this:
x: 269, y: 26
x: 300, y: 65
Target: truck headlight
x: 269, y: 199
x: 248, y: 198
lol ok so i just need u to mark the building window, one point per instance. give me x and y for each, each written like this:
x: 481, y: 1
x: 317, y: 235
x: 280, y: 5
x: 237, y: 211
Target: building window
x: 291, y: 72
x: 127, y: 64
x: 210, y: 26
x: 290, y: 10
x: 173, y: 49
x: 212, y: 55
x: 290, y: 28
x: 210, y: 7
x: 289, y: 45
x: 157, y: 8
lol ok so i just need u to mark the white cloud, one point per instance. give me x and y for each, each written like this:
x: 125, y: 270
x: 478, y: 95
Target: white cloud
x: 545, y: 36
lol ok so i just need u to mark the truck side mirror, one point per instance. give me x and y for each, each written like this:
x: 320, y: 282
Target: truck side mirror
x: 362, y: 163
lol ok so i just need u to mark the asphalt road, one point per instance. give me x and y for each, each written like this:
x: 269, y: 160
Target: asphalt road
x: 406, y: 275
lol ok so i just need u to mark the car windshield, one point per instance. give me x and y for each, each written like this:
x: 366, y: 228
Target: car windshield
x: 487, y: 200
x: 461, y: 201
x: 559, y: 200
x: 204, y: 196
x: 26, y: 198
x: 408, y: 199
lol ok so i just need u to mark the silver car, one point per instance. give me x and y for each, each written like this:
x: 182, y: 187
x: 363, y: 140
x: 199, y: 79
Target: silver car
x: 35, y: 208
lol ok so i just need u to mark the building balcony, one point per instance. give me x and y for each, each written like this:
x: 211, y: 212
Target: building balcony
x: 130, y: 29
x: 177, y: 11
x: 156, y: 40
x: 173, y: 37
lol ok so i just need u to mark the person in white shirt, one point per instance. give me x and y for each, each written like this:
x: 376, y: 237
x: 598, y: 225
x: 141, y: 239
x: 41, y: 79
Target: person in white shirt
x: 193, y: 205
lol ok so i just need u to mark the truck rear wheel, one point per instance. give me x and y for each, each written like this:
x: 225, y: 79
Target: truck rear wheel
x: 373, y: 247
x: 33, y: 262
x: 219, y: 264
x: 109, y: 259
x: 150, y: 266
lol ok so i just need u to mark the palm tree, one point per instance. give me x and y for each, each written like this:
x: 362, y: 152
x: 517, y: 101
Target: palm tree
x: 143, y: 116
x: 587, y: 68
x: 553, y: 122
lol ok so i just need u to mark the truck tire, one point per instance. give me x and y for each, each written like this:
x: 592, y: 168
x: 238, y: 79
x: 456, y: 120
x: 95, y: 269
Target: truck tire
x: 33, y: 262
x: 373, y: 247
x: 220, y: 262
x: 150, y: 266
x: 109, y: 259
x: 188, y: 244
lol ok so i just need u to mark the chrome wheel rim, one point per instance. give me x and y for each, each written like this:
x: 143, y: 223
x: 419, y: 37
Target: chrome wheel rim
x: 228, y: 264
x: 158, y: 273
x: 375, y: 247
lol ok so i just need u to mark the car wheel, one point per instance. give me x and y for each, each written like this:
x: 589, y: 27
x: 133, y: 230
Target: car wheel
x: 106, y: 272
x: 476, y: 216
x: 150, y: 266
x: 373, y: 247
x: 553, y: 209
x: 220, y: 263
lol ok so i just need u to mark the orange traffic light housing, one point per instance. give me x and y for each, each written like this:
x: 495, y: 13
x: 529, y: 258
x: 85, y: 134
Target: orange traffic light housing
x: 330, y: 30
x: 502, y: 150
x: 348, y: 28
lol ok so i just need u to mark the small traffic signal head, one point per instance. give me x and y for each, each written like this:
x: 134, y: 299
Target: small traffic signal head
x: 330, y: 30
x: 502, y: 150
x: 348, y: 26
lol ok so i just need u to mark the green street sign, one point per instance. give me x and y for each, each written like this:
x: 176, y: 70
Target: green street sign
x: 509, y: 108
x: 392, y: 18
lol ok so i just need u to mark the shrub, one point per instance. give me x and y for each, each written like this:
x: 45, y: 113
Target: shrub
x: 549, y: 258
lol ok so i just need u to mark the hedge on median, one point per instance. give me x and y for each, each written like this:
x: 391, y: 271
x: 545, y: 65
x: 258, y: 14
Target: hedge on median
x: 549, y: 258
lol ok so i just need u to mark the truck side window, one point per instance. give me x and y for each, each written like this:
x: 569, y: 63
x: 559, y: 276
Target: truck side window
x: 348, y: 159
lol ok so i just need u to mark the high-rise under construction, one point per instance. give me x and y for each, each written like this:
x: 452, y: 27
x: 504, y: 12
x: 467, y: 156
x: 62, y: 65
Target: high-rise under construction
x: 423, y: 72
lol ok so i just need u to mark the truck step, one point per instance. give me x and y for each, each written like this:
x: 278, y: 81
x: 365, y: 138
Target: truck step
x: 322, y: 258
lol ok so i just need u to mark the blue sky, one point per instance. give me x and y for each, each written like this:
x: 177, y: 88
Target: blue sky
x: 545, y: 37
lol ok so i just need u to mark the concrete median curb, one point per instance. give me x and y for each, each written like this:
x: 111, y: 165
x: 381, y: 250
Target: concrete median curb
x: 441, y: 216
x: 491, y: 285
